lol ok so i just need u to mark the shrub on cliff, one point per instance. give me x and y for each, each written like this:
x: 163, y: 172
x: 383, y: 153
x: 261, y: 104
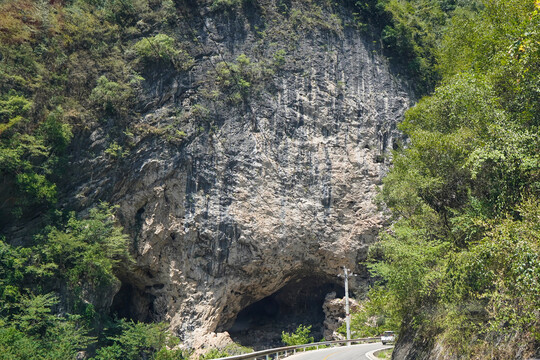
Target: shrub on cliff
x: 162, y: 48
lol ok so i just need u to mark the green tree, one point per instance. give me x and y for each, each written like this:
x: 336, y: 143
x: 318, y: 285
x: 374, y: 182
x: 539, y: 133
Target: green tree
x: 138, y: 341
x: 35, y: 332
x: 298, y: 337
x: 464, y: 192
x: 87, y: 251
x: 82, y: 254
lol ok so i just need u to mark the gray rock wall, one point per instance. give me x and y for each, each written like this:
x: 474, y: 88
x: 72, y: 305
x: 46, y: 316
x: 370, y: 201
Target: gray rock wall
x: 252, y: 192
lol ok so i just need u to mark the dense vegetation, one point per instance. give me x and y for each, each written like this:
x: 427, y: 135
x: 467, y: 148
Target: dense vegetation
x: 461, y: 259
x: 460, y: 265
x: 48, y: 295
x: 66, y: 67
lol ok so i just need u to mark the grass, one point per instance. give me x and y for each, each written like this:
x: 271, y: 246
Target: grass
x: 384, y: 354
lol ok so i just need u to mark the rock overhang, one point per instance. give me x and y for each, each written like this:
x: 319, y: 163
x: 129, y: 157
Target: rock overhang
x: 278, y: 185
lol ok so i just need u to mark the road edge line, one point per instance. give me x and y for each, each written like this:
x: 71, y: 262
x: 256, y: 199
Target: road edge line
x: 370, y: 355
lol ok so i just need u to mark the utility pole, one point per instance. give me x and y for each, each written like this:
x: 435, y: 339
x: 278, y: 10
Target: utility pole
x: 347, y: 313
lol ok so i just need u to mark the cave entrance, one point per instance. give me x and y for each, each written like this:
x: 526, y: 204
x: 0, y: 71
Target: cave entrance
x: 132, y: 303
x: 299, y: 302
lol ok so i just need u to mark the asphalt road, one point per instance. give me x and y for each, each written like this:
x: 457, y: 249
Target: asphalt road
x: 353, y: 352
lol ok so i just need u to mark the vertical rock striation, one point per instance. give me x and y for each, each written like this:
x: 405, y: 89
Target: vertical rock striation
x: 254, y: 193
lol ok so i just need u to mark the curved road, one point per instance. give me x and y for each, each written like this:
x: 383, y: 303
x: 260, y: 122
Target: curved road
x: 353, y: 352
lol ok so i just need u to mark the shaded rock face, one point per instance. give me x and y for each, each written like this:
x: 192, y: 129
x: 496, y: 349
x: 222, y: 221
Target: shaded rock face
x: 412, y: 344
x: 299, y: 302
x: 261, y: 192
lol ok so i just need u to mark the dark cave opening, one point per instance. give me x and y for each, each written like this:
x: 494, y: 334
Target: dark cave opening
x: 132, y: 303
x: 260, y: 324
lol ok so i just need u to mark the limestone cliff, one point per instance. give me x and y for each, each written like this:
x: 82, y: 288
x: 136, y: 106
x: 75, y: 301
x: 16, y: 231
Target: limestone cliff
x: 257, y: 187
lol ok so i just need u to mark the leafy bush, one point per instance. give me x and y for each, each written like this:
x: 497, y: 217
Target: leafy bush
x: 13, y: 108
x: 213, y: 354
x: 237, y: 80
x: 229, y: 350
x: 298, y: 337
x: 163, y: 48
x: 115, y: 151
x: 87, y: 251
x: 113, y: 98
x: 138, y: 341
x: 237, y: 349
x: 56, y: 133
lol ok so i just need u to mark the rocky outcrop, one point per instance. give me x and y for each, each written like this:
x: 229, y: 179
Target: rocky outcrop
x: 425, y: 342
x: 253, y: 189
x: 334, y: 312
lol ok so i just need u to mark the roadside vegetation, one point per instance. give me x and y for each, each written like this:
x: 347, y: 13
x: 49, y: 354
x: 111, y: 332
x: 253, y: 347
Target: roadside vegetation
x: 384, y: 354
x: 460, y: 265
x: 302, y: 335
x: 229, y: 350
x: 373, y: 317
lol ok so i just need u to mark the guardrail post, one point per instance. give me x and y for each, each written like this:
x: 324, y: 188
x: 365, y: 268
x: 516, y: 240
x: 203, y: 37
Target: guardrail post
x: 267, y: 358
x: 285, y: 353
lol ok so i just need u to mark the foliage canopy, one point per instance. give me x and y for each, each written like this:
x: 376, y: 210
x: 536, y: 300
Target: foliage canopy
x: 461, y: 259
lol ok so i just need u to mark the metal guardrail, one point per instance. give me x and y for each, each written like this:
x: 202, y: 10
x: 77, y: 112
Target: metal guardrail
x: 289, y: 350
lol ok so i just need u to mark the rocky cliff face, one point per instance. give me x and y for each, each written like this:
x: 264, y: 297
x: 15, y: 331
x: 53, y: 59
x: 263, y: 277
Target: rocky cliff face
x: 232, y: 192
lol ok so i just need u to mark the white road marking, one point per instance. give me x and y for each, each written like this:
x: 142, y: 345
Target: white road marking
x: 371, y: 355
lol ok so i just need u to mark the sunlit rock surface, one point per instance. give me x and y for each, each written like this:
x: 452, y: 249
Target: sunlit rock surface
x: 253, y: 194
